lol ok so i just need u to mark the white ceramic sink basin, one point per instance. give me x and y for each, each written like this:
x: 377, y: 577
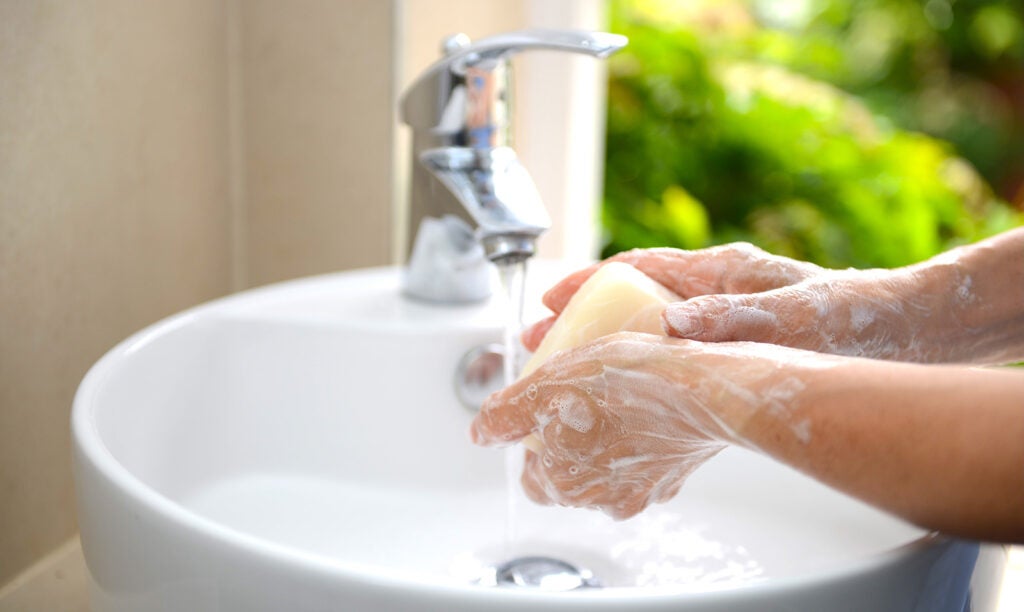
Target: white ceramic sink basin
x: 300, y: 447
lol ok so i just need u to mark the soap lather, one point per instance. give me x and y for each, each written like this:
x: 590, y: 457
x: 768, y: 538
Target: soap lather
x: 617, y: 297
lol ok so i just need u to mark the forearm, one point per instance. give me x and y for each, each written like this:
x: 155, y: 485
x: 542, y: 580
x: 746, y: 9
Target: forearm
x: 940, y: 446
x: 983, y: 288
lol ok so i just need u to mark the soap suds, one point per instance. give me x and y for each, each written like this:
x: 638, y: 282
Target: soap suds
x: 965, y: 292
x: 802, y: 430
x: 752, y: 317
x: 861, y: 317
x: 573, y: 412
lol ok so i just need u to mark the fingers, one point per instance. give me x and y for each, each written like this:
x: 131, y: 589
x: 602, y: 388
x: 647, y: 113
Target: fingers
x: 558, y: 296
x: 550, y: 485
x: 503, y: 419
x: 532, y: 336
x: 539, y: 485
x: 737, y: 268
x: 722, y: 318
x: 730, y: 268
x: 533, y: 482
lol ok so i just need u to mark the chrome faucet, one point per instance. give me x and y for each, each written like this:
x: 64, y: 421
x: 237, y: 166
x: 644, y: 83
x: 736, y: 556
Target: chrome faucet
x: 471, y: 199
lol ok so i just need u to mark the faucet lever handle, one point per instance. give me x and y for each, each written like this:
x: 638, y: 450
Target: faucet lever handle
x: 468, y: 83
x: 486, y: 52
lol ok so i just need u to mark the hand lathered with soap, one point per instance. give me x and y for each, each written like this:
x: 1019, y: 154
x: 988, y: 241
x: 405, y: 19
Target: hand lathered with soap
x: 867, y: 380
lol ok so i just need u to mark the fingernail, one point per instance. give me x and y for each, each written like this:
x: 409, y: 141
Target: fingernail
x: 682, y: 320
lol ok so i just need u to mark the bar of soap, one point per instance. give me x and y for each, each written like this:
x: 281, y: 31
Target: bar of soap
x: 617, y: 297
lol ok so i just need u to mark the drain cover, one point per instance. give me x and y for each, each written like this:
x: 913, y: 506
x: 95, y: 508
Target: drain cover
x: 543, y: 574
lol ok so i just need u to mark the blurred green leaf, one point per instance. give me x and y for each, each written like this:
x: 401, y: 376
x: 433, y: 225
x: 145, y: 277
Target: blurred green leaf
x: 686, y: 218
x: 721, y: 129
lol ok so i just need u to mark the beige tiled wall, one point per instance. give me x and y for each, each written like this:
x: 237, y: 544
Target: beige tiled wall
x: 112, y: 214
x: 154, y: 155
x: 317, y: 84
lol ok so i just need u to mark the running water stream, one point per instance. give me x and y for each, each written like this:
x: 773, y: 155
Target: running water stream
x: 512, y: 274
x: 531, y: 571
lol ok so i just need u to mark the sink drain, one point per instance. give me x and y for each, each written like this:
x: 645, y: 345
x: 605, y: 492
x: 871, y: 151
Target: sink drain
x: 543, y: 574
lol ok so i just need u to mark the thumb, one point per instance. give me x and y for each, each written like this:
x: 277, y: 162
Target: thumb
x: 504, y: 418
x: 723, y: 318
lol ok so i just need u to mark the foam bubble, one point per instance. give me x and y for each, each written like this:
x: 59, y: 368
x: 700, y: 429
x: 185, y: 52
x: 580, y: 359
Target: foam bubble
x: 574, y: 413
x: 860, y: 318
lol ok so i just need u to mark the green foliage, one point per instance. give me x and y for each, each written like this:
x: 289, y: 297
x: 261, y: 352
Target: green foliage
x: 714, y: 137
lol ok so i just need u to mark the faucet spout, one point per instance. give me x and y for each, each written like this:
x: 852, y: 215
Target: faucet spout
x: 498, y: 195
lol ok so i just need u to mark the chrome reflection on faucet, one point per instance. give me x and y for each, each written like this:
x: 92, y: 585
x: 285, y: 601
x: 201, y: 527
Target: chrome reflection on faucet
x: 464, y: 169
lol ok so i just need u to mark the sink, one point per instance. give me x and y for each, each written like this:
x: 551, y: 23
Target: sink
x: 301, y: 447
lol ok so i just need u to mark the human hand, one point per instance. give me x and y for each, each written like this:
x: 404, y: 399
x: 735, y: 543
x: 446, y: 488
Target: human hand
x: 907, y: 314
x: 623, y: 421
x: 731, y: 268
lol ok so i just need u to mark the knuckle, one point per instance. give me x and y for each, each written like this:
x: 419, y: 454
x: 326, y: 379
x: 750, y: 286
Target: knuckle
x: 744, y: 249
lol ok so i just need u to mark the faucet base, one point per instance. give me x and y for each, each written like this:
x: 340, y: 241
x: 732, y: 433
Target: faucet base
x: 448, y: 264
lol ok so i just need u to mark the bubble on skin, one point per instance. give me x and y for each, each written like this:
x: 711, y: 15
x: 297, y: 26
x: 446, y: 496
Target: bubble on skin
x: 573, y: 412
x: 779, y: 397
x: 802, y: 431
x: 860, y: 318
x: 531, y: 392
x: 963, y: 292
x: 574, y: 470
x: 547, y: 460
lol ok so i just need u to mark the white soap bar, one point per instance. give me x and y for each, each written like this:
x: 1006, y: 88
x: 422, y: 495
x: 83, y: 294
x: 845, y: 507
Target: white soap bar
x: 617, y: 297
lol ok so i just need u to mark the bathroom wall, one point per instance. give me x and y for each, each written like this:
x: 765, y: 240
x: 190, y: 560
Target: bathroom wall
x: 113, y: 183
x: 155, y: 154
x: 314, y: 101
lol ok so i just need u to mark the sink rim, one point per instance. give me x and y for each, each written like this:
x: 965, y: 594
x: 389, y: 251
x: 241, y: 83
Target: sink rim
x: 92, y: 455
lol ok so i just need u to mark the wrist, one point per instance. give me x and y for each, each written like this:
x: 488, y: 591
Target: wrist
x: 983, y: 290
x: 768, y: 397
